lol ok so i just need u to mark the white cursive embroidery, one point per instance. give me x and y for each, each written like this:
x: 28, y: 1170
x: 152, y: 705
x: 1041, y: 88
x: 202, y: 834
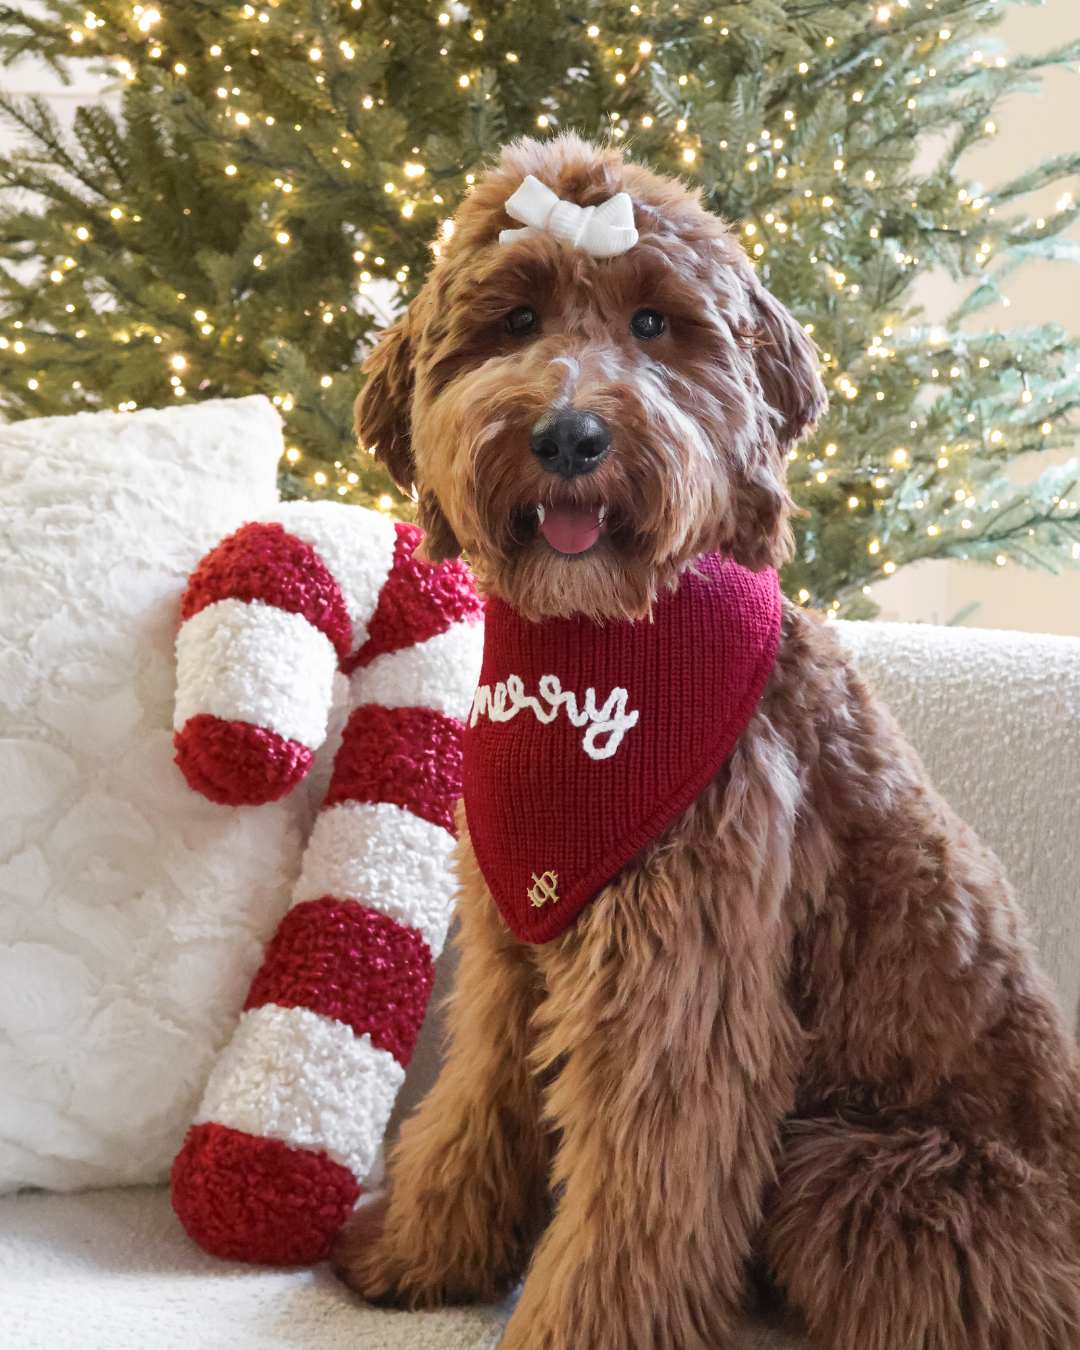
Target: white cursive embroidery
x: 508, y: 698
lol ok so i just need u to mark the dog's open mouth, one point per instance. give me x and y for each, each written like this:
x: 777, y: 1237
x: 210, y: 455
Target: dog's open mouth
x: 568, y: 528
x: 571, y: 529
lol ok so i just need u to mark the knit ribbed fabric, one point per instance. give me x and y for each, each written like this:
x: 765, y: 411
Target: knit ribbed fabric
x: 586, y: 740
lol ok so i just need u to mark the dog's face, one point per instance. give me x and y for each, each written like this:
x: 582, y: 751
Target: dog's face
x: 583, y: 427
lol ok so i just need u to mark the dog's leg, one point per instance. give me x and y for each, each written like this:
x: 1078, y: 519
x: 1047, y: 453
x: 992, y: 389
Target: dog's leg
x: 912, y: 1239
x: 929, y: 1189
x: 468, y: 1178
x: 667, y: 1023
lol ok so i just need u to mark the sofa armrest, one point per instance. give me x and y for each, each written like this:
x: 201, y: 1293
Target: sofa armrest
x: 995, y: 717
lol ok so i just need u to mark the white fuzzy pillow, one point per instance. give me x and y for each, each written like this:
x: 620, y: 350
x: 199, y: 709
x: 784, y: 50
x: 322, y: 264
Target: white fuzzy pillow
x: 132, y: 912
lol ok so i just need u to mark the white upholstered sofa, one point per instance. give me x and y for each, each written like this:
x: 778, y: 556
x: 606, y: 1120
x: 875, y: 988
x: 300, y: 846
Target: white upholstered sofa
x: 995, y: 716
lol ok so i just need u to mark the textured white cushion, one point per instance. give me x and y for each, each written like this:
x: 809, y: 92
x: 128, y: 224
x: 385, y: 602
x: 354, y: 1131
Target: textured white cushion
x: 132, y: 912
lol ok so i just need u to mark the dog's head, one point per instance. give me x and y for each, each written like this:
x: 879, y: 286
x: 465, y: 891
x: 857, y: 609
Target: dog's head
x: 581, y: 426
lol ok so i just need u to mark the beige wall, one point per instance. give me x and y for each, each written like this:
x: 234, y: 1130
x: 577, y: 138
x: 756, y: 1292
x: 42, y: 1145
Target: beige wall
x: 1030, y: 128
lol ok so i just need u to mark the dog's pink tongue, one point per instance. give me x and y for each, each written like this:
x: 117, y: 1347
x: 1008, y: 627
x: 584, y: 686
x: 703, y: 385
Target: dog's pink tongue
x: 571, y: 529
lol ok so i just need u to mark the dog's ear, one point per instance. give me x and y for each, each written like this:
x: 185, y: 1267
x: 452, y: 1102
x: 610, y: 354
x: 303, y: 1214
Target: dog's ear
x: 787, y: 367
x: 384, y: 424
x: 439, y: 542
x: 382, y: 412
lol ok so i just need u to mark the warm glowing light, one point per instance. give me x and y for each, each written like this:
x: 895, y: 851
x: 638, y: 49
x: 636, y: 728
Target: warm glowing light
x: 178, y: 362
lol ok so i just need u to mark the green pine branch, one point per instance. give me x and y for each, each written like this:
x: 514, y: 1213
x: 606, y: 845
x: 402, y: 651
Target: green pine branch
x: 266, y: 185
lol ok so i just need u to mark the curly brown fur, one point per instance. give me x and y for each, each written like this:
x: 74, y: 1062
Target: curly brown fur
x: 804, y: 1027
x: 701, y: 417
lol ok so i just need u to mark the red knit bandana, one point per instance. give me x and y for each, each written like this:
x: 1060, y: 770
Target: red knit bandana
x: 585, y: 740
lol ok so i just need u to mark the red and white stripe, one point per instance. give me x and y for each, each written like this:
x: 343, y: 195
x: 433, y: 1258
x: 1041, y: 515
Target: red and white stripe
x: 297, y: 1105
x: 268, y: 616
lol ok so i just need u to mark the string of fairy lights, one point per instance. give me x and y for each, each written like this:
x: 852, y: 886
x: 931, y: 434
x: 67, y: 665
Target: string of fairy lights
x: 770, y: 157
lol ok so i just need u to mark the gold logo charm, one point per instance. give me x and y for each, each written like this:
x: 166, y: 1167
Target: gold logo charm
x: 543, y: 890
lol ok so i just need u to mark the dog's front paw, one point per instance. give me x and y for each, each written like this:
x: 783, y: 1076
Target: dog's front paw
x: 548, y: 1327
x: 409, y: 1263
x: 363, y: 1260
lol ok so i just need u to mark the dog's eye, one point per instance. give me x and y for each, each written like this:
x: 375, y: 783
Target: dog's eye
x: 522, y: 320
x: 647, y: 323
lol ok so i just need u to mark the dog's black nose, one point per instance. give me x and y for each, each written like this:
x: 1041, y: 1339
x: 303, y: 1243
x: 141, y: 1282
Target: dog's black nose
x: 570, y: 443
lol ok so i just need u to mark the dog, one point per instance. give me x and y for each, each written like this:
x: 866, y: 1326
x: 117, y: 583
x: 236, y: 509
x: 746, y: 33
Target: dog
x: 801, y: 1030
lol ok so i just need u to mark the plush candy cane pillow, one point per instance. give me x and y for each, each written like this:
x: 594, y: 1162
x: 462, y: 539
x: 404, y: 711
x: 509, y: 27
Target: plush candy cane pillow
x: 296, y: 1108
x: 132, y: 912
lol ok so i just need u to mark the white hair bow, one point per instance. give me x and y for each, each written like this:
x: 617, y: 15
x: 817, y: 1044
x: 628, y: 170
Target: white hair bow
x: 604, y: 231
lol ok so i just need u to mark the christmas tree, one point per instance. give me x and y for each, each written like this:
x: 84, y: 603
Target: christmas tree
x: 274, y: 178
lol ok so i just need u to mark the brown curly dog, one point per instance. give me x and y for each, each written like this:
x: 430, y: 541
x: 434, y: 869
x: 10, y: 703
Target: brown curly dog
x: 802, y: 1031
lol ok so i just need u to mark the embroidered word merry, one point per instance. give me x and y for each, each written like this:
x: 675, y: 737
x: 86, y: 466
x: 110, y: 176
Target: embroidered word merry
x: 610, y: 719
